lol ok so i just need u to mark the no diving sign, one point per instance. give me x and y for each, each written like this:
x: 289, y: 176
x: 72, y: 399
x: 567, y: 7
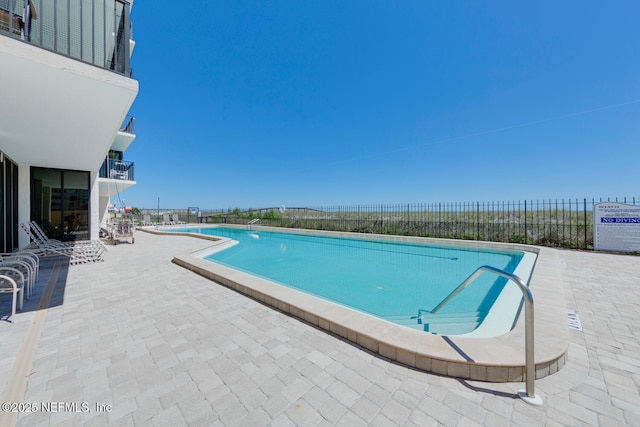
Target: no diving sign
x: 616, y: 227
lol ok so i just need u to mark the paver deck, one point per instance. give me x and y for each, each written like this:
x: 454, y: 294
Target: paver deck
x: 138, y: 340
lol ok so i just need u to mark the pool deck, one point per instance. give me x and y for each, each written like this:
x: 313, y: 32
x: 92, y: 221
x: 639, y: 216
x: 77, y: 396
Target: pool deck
x: 142, y: 341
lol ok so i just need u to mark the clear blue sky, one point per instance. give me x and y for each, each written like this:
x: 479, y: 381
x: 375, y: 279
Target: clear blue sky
x: 315, y: 103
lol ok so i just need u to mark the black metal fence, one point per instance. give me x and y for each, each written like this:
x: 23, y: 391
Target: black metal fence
x: 560, y: 223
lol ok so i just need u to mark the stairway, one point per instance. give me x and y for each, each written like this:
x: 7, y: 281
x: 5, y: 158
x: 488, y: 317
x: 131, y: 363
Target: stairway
x: 440, y: 323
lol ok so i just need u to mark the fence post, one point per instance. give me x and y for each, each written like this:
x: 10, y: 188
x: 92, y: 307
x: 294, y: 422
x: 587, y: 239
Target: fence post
x: 407, y: 228
x: 585, y: 223
x: 478, y: 220
x: 525, y: 220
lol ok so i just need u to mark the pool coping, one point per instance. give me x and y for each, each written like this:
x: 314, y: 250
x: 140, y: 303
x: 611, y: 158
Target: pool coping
x: 495, y: 359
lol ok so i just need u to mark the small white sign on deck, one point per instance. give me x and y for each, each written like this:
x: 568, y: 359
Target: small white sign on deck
x: 616, y: 227
x: 574, y: 321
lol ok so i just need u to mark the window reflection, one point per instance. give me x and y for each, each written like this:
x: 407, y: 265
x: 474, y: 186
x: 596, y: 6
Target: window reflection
x: 60, y: 202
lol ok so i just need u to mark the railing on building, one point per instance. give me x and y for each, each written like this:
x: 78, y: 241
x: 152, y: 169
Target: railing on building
x: 97, y: 32
x: 117, y: 169
x: 128, y: 127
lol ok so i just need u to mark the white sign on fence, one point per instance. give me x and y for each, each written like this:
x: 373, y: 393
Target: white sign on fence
x: 616, y: 227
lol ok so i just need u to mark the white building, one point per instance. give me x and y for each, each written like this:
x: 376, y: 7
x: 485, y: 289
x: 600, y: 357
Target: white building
x: 65, y: 93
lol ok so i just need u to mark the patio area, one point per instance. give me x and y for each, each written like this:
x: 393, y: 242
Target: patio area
x: 138, y: 340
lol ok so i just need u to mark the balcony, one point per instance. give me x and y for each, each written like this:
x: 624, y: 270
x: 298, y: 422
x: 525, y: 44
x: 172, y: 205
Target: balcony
x: 97, y: 32
x: 114, y: 177
x: 125, y: 136
x: 117, y: 169
x: 128, y: 127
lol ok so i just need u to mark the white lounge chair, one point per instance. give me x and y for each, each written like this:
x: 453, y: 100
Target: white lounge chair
x: 26, y: 256
x: 23, y: 267
x: 146, y: 221
x: 96, y: 244
x: 76, y: 254
x: 12, y: 281
x: 176, y: 219
x: 166, y: 220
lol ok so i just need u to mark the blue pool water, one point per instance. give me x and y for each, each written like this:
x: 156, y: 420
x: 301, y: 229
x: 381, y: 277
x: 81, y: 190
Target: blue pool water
x: 390, y: 280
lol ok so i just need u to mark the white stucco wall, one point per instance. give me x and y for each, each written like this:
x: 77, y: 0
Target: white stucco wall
x: 94, y: 203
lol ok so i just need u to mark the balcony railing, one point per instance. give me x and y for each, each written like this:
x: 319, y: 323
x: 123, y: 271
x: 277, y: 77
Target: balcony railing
x: 117, y: 169
x: 92, y: 31
x: 128, y: 126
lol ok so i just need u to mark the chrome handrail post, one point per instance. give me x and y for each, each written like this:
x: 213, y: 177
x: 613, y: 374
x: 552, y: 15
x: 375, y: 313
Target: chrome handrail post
x: 528, y: 395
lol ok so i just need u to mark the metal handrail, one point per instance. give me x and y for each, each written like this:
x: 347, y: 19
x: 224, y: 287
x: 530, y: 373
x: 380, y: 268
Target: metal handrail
x: 529, y: 395
x: 128, y: 128
x: 117, y: 169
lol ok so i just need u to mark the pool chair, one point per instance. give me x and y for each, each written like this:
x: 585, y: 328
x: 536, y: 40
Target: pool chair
x: 26, y: 256
x: 146, y: 221
x: 12, y: 281
x: 93, y: 246
x: 50, y: 229
x: 24, y: 267
x: 176, y: 220
x: 96, y: 244
x: 166, y: 220
x: 77, y: 254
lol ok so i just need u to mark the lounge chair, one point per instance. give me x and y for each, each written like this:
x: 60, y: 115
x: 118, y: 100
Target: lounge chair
x: 76, y: 254
x: 98, y: 245
x: 50, y: 229
x: 176, y: 220
x: 146, y: 221
x: 26, y: 256
x: 85, y: 246
x: 23, y: 267
x: 12, y: 281
x: 166, y: 220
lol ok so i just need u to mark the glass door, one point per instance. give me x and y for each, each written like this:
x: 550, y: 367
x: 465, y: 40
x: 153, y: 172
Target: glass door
x: 75, y: 205
x: 8, y: 205
x: 60, y: 202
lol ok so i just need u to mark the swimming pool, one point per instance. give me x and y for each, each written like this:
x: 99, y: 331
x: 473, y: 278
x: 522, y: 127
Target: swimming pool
x: 485, y: 354
x: 396, y: 281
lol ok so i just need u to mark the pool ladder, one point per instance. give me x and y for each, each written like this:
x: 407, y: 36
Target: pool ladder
x: 528, y: 395
x: 252, y: 222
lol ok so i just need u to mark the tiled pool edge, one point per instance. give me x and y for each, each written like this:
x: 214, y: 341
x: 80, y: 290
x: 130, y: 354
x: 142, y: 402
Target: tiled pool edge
x: 498, y: 359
